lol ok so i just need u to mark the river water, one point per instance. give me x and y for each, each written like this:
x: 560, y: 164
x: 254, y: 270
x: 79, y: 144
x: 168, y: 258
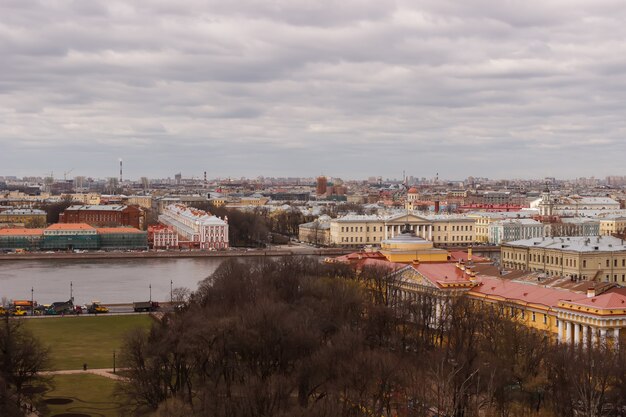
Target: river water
x: 106, y: 280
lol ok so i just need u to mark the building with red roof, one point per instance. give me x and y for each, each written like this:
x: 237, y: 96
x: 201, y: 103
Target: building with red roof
x: 571, y: 311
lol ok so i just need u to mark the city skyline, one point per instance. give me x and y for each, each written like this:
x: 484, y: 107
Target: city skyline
x: 302, y: 88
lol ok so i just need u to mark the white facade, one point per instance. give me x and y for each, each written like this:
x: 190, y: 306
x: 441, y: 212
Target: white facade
x: 509, y: 230
x: 574, y: 205
x: 196, y: 226
x: 164, y: 237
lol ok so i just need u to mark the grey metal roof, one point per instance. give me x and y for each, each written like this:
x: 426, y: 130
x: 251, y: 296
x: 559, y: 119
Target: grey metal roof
x: 573, y: 243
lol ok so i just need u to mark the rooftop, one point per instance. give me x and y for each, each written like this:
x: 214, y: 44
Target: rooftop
x: 15, y: 212
x: 573, y: 243
x: 70, y: 226
x: 513, y: 290
x: 21, y: 232
x: 105, y: 230
x: 97, y: 208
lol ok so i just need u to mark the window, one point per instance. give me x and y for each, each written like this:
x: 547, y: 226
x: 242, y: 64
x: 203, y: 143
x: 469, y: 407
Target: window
x: 533, y: 317
x: 545, y: 319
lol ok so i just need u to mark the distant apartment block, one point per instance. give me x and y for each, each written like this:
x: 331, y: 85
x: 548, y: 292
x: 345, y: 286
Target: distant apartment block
x: 27, y: 217
x: 196, y: 228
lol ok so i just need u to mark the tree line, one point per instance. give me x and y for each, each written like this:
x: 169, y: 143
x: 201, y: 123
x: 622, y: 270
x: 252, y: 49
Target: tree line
x: 292, y: 337
x: 257, y: 227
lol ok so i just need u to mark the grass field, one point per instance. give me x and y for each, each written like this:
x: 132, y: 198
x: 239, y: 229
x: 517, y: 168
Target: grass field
x: 90, y: 394
x: 74, y: 341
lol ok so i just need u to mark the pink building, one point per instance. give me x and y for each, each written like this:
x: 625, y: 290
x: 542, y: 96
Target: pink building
x: 196, y: 228
x: 162, y: 237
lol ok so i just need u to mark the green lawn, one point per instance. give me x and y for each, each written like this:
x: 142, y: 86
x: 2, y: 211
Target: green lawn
x: 90, y: 394
x: 87, y: 339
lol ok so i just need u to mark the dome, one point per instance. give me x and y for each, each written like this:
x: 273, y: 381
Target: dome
x: 407, y: 247
x: 412, y: 190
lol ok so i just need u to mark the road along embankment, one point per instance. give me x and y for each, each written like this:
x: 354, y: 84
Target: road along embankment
x: 296, y: 251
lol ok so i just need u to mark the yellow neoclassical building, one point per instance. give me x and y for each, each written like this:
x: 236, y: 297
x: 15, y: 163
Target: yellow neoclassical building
x: 355, y: 231
x: 601, y: 258
x: 573, y: 312
x: 613, y: 225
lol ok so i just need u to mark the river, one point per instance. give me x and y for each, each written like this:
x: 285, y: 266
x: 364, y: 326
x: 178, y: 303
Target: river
x: 106, y: 280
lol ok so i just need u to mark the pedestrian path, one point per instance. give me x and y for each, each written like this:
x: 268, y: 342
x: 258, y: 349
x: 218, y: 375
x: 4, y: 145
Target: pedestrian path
x: 105, y: 372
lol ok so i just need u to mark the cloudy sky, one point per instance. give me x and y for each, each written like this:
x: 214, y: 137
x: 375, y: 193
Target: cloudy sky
x: 348, y: 88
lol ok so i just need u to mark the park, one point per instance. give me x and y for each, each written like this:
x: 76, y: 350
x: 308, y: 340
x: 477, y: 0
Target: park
x: 76, y: 341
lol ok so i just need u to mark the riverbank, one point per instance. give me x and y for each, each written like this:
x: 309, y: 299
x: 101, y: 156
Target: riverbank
x: 286, y: 251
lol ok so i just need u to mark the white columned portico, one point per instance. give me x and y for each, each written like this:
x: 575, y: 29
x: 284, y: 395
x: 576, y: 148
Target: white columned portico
x: 576, y: 333
x: 602, y: 335
x: 594, y: 336
x: 585, y: 336
x: 430, y: 232
x: 568, y: 332
x: 559, y: 331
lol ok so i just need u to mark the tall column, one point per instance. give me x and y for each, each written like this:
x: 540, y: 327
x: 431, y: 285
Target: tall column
x: 594, y: 336
x: 568, y: 332
x: 559, y: 331
x: 616, y: 337
x: 576, y: 333
x: 585, y: 336
x: 430, y: 232
x: 603, y: 336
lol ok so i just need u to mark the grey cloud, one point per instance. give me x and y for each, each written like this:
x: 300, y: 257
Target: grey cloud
x: 351, y: 88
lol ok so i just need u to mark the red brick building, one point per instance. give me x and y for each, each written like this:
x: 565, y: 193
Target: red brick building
x: 114, y: 215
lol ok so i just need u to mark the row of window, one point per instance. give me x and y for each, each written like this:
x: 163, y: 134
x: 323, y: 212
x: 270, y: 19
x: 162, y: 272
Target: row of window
x: 454, y: 228
x: 556, y: 260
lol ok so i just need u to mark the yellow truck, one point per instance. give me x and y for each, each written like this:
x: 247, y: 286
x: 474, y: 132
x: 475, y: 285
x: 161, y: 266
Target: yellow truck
x: 97, y: 308
x: 19, y: 311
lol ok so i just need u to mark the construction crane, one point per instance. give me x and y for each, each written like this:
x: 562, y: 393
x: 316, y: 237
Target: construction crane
x: 65, y: 174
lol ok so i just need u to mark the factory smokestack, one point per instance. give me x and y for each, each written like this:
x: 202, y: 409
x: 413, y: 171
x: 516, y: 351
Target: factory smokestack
x: 120, y: 171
